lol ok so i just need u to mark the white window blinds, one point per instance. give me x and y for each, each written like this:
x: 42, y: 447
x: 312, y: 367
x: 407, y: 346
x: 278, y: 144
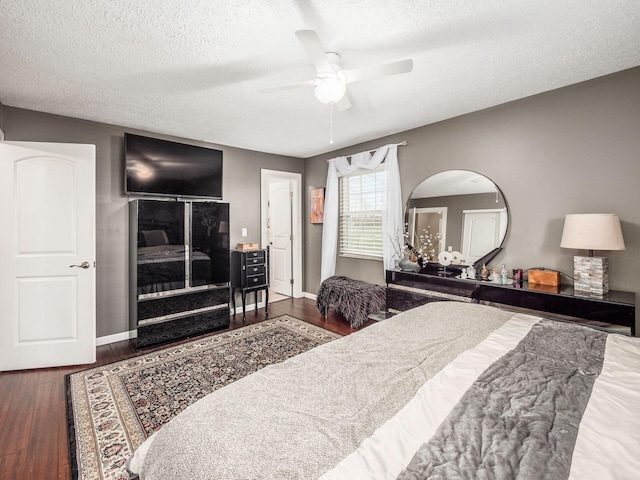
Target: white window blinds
x: 362, y: 200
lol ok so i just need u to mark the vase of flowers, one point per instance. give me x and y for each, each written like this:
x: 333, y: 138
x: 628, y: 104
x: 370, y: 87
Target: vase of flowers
x: 408, y: 260
x: 413, y: 257
x: 427, y: 246
x: 409, y: 263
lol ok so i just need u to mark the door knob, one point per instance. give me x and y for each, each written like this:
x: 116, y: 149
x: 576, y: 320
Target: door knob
x: 84, y: 265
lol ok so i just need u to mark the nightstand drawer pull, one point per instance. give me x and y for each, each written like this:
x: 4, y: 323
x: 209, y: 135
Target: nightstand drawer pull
x: 257, y: 279
x: 255, y: 255
x: 255, y: 269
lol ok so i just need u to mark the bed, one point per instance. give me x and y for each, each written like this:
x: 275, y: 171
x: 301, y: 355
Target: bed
x: 445, y: 390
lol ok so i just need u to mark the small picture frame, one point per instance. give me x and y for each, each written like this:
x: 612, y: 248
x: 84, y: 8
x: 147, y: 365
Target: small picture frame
x: 317, y: 205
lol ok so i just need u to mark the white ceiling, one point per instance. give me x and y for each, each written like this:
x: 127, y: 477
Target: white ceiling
x: 192, y: 68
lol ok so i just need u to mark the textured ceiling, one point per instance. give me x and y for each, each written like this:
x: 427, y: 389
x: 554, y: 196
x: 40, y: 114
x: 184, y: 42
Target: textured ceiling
x: 192, y: 68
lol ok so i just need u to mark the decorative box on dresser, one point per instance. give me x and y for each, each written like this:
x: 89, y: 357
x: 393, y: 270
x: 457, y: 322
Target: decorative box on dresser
x: 250, y: 273
x: 179, y: 269
x: 616, y: 309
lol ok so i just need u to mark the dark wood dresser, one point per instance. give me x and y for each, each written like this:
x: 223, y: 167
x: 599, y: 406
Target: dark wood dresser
x: 250, y: 273
x: 616, y: 309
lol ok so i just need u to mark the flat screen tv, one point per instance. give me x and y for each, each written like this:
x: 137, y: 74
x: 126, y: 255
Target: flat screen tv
x: 163, y: 168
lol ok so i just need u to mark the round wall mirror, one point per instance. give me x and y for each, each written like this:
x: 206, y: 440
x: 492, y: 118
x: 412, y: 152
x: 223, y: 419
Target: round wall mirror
x: 457, y: 211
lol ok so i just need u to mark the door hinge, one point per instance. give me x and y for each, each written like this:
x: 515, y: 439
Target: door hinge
x: 291, y: 281
x: 291, y: 194
x: 291, y: 238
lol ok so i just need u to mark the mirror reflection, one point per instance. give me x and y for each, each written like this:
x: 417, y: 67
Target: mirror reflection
x: 457, y: 210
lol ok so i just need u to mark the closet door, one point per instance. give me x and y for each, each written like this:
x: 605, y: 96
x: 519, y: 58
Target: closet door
x: 47, y: 255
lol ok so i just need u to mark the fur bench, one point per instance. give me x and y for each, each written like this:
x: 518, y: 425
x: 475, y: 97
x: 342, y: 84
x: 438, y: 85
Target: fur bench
x: 354, y: 299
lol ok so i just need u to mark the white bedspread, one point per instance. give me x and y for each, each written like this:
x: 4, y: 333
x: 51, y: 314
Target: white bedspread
x: 360, y: 406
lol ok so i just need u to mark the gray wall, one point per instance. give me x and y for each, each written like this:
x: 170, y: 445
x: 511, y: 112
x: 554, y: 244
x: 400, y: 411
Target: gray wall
x: 241, y: 189
x: 571, y: 150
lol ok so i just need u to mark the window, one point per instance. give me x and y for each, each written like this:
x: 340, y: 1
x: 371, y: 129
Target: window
x: 362, y: 200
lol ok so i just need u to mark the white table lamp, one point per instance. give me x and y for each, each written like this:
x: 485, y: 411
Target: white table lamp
x: 592, y: 231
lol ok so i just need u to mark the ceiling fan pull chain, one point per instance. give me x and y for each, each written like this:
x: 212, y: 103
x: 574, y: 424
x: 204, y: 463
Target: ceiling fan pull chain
x: 331, y: 124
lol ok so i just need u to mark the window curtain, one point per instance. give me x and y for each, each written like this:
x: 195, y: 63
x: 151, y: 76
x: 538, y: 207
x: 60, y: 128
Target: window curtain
x: 392, y: 223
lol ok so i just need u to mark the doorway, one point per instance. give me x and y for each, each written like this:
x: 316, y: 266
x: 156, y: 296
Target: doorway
x: 281, y: 231
x: 428, y: 221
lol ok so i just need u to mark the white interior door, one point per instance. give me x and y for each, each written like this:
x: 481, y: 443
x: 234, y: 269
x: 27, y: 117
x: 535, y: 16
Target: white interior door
x: 47, y: 213
x: 280, y: 233
x: 482, y: 232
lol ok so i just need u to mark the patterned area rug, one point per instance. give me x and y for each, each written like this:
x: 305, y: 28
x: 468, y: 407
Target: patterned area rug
x: 112, y: 409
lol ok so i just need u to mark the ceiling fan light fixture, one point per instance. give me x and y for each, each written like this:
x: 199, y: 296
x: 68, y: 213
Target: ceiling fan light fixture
x: 330, y: 84
x: 330, y: 89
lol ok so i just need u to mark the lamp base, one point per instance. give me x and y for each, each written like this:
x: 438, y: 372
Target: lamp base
x: 591, y: 275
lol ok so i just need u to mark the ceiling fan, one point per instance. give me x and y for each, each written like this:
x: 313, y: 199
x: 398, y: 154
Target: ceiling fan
x: 331, y: 81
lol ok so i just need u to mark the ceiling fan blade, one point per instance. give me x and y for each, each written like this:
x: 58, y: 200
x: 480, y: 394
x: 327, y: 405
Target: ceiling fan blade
x: 367, y: 73
x: 306, y: 83
x: 344, y: 103
x: 311, y: 43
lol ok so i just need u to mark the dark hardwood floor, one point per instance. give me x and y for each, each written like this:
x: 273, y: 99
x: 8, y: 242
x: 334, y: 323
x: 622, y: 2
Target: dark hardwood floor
x: 33, y: 424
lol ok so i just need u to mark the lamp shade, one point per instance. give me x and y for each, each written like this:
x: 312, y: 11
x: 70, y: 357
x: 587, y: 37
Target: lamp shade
x: 592, y: 231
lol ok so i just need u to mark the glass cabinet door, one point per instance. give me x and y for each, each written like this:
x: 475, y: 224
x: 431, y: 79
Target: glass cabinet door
x: 161, y: 246
x: 209, y: 255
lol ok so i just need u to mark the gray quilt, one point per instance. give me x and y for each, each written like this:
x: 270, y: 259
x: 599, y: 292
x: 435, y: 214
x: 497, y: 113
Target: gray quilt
x: 300, y: 418
x: 520, y: 418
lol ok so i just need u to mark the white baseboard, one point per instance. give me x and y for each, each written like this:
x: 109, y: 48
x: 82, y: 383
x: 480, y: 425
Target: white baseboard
x: 116, y: 337
x: 312, y: 296
x: 249, y: 307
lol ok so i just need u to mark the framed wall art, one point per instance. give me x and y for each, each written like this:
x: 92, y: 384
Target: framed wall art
x: 317, y: 205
